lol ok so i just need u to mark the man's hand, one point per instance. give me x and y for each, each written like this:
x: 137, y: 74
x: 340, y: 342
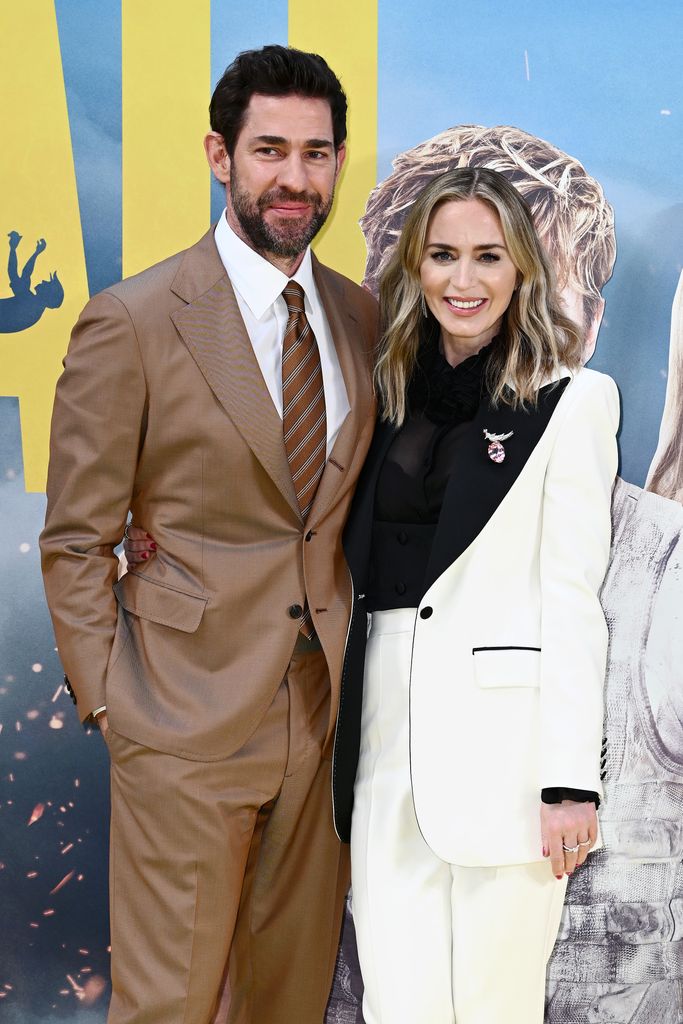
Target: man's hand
x: 568, y: 831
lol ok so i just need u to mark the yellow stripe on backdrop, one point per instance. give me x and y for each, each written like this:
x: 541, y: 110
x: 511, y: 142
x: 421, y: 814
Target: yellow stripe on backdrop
x: 38, y: 186
x: 345, y: 34
x: 166, y: 56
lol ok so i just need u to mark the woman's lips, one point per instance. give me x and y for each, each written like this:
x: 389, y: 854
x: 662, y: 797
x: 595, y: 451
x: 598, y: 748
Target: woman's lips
x: 465, y: 307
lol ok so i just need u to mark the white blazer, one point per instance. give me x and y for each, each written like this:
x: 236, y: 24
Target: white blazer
x: 510, y: 646
x: 510, y: 640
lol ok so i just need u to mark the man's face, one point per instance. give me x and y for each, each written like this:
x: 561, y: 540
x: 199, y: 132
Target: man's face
x: 280, y: 180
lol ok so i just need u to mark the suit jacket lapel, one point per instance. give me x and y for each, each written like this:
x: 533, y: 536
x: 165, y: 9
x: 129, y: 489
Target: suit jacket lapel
x: 353, y: 360
x: 213, y: 330
x: 358, y: 532
x: 477, y: 485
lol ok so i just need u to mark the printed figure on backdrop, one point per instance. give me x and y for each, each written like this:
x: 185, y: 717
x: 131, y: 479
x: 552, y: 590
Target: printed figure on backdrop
x: 224, y: 400
x: 26, y: 307
x: 597, y: 969
x: 486, y: 418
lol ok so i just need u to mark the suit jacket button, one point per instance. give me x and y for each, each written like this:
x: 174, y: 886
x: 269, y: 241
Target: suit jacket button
x: 400, y: 589
x: 402, y: 537
x: 295, y: 611
x: 426, y: 613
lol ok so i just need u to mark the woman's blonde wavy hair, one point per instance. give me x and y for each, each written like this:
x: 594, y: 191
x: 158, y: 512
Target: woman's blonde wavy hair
x: 536, y: 339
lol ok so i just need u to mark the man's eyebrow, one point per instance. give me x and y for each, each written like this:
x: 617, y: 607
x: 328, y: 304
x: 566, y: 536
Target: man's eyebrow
x: 280, y: 140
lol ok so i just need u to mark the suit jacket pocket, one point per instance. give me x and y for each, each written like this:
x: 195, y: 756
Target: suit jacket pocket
x: 157, y: 602
x: 507, y: 666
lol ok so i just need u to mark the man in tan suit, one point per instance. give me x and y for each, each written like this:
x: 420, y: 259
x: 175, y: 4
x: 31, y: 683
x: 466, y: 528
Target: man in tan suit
x: 214, y: 670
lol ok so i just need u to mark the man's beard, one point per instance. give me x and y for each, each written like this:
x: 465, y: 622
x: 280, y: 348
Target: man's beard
x: 288, y: 238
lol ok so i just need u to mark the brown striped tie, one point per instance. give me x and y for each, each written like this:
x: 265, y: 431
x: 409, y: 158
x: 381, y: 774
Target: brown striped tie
x: 304, y: 422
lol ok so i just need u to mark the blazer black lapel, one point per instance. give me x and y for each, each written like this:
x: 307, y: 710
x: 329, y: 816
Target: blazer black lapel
x: 477, y: 485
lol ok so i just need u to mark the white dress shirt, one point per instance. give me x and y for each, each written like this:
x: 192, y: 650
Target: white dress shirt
x: 258, y: 289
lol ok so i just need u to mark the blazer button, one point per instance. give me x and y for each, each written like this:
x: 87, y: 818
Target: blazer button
x: 402, y: 537
x: 309, y: 536
x: 426, y: 613
x: 400, y: 589
x: 295, y: 611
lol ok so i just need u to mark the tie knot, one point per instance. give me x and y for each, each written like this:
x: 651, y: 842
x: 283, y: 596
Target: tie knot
x: 294, y: 297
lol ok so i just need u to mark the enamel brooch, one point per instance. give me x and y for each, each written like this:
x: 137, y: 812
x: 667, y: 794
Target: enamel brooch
x: 496, y: 451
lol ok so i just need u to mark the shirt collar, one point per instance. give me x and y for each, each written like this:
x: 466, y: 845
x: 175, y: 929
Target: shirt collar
x: 258, y: 282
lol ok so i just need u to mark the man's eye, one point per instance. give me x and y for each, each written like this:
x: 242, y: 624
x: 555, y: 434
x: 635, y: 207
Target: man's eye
x: 267, y: 151
x: 316, y: 154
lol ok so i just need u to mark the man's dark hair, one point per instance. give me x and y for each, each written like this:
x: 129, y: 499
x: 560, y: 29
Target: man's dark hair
x: 274, y: 71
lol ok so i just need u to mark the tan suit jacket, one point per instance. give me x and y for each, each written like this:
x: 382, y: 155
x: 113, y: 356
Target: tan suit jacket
x: 162, y: 410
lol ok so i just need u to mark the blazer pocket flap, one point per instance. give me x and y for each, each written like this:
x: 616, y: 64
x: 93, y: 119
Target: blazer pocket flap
x: 507, y: 666
x: 154, y: 601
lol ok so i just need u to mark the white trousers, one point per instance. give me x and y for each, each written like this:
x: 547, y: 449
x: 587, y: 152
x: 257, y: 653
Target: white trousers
x: 438, y: 943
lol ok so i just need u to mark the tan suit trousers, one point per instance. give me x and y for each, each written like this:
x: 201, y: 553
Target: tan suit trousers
x: 234, y: 859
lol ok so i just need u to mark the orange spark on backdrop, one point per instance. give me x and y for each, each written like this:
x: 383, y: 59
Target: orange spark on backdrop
x: 60, y: 885
x: 36, y: 814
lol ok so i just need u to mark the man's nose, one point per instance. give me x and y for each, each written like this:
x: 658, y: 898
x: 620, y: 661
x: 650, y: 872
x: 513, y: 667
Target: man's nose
x: 293, y: 174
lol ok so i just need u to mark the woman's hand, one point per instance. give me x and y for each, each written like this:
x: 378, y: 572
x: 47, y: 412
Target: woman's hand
x: 138, y: 545
x: 568, y: 831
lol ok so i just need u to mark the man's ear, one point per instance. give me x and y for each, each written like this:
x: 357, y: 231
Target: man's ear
x: 341, y: 157
x: 217, y: 156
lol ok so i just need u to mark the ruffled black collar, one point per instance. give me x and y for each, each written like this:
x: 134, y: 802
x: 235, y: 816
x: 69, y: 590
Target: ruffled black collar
x: 445, y: 393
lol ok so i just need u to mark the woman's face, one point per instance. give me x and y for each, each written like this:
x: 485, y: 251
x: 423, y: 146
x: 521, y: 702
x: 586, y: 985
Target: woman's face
x: 467, y: 275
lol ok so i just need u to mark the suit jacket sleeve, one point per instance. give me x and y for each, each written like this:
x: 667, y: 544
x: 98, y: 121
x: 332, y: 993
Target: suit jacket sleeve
x: 575, y: 545
x: 97, y: 430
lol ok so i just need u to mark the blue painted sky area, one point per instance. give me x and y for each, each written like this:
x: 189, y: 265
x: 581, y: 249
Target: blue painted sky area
x: 90, y: 43
x: 599, y: 78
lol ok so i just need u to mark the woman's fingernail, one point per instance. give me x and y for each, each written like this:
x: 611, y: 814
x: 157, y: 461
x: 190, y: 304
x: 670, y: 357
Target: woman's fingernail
x: 153, y: 546
x: 559, y: 877
x: 145, y: 554
x: 545, y: 852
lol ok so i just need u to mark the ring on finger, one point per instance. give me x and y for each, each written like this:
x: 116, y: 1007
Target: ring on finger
x: 571, y: 849
x: 586, y: 842
x: 125, y: 531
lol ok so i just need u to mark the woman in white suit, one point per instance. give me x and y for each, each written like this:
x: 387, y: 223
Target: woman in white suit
x: 468, y: 745
x: 470, y: 729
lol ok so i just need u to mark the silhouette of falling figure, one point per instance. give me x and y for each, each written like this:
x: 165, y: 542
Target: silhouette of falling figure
x: 26, y: 307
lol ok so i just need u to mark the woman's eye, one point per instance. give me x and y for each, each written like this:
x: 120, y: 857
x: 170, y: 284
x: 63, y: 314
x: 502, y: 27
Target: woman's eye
x: 489, y: 257
x: 442, y: 257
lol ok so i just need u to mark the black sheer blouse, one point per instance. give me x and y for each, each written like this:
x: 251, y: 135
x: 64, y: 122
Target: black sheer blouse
x: 412, y: 481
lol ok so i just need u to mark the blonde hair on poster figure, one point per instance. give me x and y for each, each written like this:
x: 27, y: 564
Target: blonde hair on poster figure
x: 572, y: 216
x: 666, y: 472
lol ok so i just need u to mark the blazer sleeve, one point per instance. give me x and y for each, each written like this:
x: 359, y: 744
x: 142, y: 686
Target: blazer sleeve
x: 575, y: 546
x: 97, y: 430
